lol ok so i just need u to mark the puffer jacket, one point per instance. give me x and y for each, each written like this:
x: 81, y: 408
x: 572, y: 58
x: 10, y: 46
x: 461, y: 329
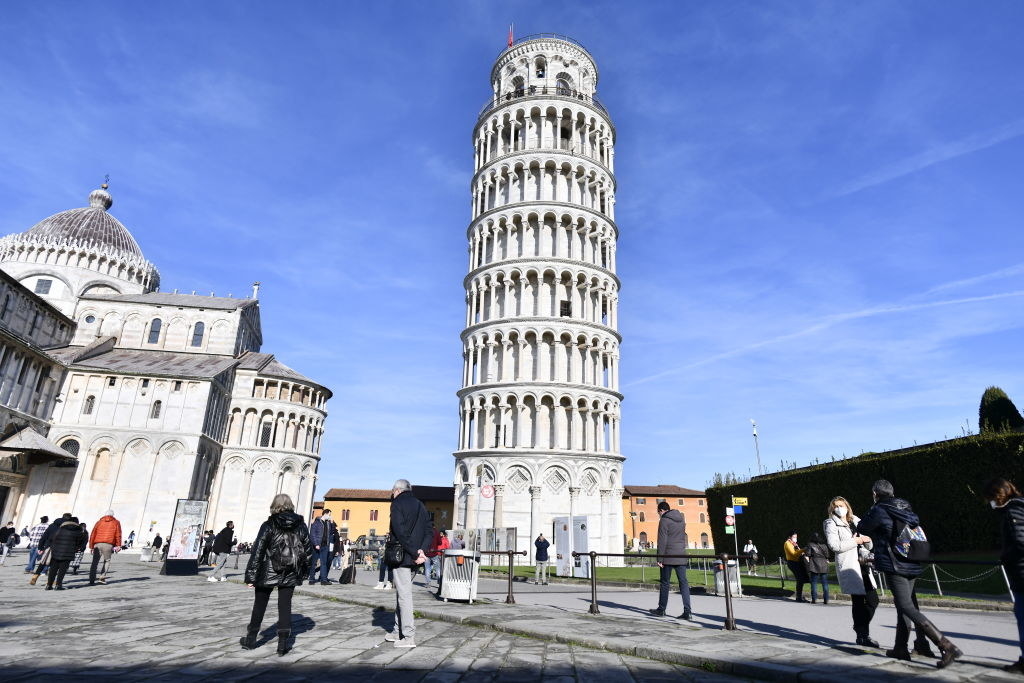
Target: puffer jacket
x: 106, y: 530
x: 1012, y: 533
x: 69, y: 539
x: 672, y: 538
x: 282, y: 531
x: 816, y: 558
x: 878, y: 524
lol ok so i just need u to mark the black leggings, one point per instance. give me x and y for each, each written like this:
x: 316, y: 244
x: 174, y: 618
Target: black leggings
x: 284, y: 607
x: 58, y: 568
x: 800, y: 574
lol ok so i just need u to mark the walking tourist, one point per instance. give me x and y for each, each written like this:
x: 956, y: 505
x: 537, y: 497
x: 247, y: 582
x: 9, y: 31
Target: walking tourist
x: 540, y: 575
x: 672, y: 541
x: 816, y: 561
x: 43, y: 548
x: 430, y: 568
x: 320, y: 533
x: 281, y: 555
x: 409, y: 527
x: 750, y: 550
x: 8, y: 539
x: 76, y: 563
x: 131, y: 538
x: 222, y: 546
x: 884, y: 523
x: 104, y: 541
x: 852, y: 551
x: 385, y: 573
x: 158, y: 543
x: 34, y: 536
x: 1004, y: 497
x: 795, y: 562
x: 66, y: 541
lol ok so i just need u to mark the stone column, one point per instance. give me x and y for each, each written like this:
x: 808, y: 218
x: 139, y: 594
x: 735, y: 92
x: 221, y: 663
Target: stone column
x: 499, y: 504
x: 245, y: 498
x: 470, y: 522
x: 574, y: 494
x: 605, y: 522
x: 534, y: 519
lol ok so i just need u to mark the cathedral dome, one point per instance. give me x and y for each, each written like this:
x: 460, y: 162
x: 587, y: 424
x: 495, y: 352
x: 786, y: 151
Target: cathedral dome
x: 88, y: 226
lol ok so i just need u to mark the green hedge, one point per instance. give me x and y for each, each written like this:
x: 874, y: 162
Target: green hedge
x: 942, y: 481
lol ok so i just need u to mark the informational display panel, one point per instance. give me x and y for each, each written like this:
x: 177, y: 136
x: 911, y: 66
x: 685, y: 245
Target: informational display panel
x: 185, y: 541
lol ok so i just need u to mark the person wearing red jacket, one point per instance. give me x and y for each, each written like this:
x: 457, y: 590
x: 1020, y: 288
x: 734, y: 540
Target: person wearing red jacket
x: 104, y: 541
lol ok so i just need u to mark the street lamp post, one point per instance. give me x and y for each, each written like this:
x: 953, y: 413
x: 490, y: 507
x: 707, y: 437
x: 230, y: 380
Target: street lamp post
x: 757, y: 449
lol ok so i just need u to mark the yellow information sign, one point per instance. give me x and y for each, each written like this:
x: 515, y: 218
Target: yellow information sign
x: 739, y: 501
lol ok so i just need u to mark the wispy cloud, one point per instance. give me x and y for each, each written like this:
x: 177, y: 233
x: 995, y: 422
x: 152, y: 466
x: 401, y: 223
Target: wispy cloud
x: 936, y: 154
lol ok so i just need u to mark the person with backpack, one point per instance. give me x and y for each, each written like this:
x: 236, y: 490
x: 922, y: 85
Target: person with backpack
x: 1006, y: 500
x: 281, y: 556
x: 900, y: 546
x: 8, y: 541
x: 816, y: 561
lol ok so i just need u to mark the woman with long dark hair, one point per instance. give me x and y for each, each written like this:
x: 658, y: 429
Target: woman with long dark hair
x: 281, y: 556
x: 1004, y: 497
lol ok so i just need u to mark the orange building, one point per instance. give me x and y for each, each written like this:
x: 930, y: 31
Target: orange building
x: 640, y: 516
x: 359, y: 512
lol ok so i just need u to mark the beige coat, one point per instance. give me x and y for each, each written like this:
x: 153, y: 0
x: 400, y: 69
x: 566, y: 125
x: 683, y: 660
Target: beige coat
x: 839, y: 537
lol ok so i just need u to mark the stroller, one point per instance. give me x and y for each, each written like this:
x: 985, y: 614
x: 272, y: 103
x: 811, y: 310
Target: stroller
x: 77, y: 562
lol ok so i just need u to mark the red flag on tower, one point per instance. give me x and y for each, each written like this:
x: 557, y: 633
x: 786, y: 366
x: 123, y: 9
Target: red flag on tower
x: 510, y: 40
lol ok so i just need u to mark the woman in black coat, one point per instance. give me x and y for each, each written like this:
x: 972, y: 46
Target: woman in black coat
x: 281, y: 556
x: 69, y: 539
x: 1004, y: 497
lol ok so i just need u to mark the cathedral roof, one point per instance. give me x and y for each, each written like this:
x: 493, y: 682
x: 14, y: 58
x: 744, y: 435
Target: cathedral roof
x: 267, y: 366
x: 148, y: 363
x: 220, y: 303
x: 90, y: 226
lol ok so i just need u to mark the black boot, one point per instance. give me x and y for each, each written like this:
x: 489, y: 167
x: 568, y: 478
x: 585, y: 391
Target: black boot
x: 283, y: 646
x: 248, y: 641
x: 922, y: 647
x: 899, y: 652
x: 950, y: 652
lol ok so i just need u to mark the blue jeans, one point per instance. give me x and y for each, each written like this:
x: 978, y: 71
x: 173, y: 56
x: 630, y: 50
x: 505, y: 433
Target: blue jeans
x: 1018, y: 611
x: 666, y: 584
x: 324, y: 555
x: 815, y: 580
x: 32, y: 555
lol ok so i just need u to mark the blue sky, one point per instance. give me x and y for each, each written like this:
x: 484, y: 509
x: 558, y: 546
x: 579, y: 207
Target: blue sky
x: 819, y: 203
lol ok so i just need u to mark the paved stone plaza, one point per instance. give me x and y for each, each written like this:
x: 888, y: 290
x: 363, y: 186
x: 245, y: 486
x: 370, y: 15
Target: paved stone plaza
x: 143, y: 626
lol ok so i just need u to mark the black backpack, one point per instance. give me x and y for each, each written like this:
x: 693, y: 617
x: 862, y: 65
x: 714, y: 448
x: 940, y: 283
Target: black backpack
x: 909, y: 543
x: 287, y: 553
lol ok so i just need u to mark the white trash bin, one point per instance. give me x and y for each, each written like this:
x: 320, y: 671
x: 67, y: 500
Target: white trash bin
x: 461, y: 571
x: 147, y: 555
x: 734, y: 578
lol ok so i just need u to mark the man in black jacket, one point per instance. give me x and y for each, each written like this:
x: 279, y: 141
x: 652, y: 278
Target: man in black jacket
x: 44, y: 543
x: 222, y: 548
x: 410, y: 526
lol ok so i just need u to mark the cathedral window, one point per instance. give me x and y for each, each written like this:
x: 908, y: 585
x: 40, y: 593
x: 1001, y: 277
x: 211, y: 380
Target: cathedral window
x: 35, y: 323
x: 565, y: 309
x: 154, y: 331
x: 101, y: 466
x: 43, y: 286
x: 145, y: 384
x: 111, y: 381
x: 71, y: 446
x: 266, y: 430
x: 177, y: 385
x: 90, y: 403
x: 155, y: 412
x: 90, y: 319
x: 197, y: 334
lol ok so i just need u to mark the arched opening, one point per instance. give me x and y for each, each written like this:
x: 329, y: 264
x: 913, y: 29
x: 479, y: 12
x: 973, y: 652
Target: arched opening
x: 90, y: 404
x: 154, y: 331
x: 197, y: 334
x: 643, y: 538
x: 704, y: 541
x: 154, y: 413
x: 71, y: 446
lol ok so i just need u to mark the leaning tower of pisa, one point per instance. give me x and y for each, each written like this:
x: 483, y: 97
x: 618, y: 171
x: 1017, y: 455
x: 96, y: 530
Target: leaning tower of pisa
x: 539, y: 404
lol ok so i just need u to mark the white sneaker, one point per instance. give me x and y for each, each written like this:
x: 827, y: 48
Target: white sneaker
x: 212, y: 579
x: 390, y: 637
x: 405, y: 642
x: 223, y: 578
x: 388, y: 586
x: 379, y: 586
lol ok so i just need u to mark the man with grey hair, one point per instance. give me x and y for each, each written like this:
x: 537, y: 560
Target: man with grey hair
x: 884, y: 524
x: 104, y: 541
x: 410, y: 526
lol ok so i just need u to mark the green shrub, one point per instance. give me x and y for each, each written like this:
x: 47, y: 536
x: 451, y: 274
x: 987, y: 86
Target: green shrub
x: 941, y: 480
x: 997, y: 413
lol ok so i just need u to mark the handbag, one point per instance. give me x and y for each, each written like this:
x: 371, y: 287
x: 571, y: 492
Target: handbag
x: 394, y: 553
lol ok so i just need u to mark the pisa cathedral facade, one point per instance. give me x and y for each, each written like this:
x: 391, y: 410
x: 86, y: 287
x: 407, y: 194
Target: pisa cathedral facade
x: 143, y: 397
x: 539, y: 404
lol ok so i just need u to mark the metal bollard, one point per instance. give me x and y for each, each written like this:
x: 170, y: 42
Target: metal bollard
x: 1007, y: 580
x: 730, y: 619
x: 510, y: 600
x: 593, y: 583
x: 935, y: 573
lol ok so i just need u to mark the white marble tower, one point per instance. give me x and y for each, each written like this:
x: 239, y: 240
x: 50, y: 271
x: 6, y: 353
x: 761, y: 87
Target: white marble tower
x: 539, y: 404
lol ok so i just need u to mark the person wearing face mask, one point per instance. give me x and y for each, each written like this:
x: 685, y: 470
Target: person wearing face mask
x: 851, y: 551
x: 882, y: 523
x: 1004, y: 497
x: 795, y: 562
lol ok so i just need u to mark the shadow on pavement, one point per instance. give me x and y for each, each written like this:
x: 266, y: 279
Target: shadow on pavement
x: 384, y: 619
x: 955, y: 636
x: 271, y: 668
x: 793, y: 634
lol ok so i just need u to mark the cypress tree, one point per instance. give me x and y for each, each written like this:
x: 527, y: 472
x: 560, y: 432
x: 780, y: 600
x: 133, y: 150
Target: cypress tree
x: 997, y: 413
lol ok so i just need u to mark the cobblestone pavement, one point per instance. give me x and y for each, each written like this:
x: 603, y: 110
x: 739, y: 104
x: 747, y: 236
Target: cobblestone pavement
x: 143, y: 626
